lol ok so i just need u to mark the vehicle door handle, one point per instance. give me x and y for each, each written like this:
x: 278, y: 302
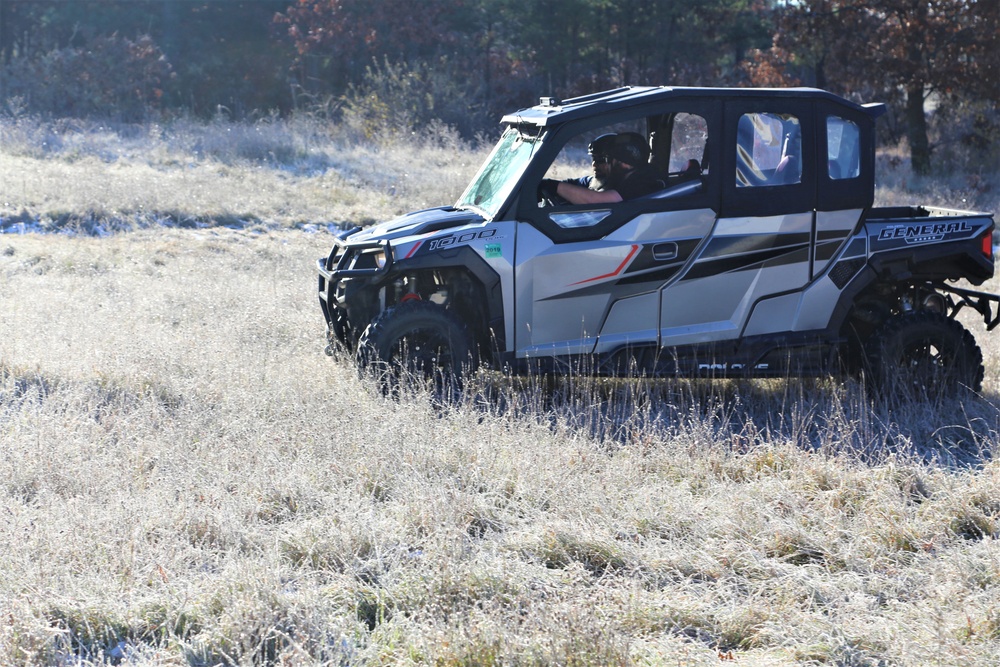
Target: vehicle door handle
x: 664, y: 252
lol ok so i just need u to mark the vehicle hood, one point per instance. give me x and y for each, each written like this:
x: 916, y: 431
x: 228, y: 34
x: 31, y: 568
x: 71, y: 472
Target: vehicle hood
x: 412, y: 224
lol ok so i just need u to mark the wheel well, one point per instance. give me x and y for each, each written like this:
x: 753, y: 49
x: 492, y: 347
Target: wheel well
x: 454, y: 288
x: 877, y: 303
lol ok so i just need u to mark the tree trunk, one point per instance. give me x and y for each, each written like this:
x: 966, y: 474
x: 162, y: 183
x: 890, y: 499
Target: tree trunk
x: 916, y: 129
x: 6, y: 34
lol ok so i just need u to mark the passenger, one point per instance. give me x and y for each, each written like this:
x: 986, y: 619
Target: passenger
x: 621, y: 171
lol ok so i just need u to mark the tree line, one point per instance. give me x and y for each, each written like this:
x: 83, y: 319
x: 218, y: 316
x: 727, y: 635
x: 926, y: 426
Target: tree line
x: 398, y: 65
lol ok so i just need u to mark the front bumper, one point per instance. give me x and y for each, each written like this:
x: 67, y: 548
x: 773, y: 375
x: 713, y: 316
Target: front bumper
x: 367, y: 261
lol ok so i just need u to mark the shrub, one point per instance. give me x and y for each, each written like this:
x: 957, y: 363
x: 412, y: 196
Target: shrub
x: 400, y: 99
x: 113, y: 77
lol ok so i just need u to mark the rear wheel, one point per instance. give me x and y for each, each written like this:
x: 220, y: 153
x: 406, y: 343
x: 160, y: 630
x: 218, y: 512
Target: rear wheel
x: 924, y: 353
x: 417, y: 341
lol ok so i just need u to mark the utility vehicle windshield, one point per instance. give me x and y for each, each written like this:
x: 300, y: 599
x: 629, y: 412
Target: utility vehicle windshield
x: 499, y: 174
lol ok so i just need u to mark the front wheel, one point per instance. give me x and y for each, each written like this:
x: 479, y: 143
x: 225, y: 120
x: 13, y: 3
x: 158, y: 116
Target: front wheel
x: 418, y: 341
x: 924, y: 353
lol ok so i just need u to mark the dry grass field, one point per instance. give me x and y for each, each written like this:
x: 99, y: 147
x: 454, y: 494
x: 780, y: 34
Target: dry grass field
x: 187, y: 480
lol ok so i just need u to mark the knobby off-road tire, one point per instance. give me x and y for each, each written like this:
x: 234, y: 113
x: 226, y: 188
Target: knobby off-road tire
x: 925, y: 354
x: 417, y: 341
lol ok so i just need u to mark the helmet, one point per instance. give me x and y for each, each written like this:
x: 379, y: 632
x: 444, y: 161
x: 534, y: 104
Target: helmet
x: 631, y: 148
x: 627, y: 147
x: 602, y: 146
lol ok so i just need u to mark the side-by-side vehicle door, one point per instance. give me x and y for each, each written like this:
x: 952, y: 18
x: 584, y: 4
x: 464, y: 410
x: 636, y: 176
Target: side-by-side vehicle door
x: 761, y: 245
x: 588, y: 277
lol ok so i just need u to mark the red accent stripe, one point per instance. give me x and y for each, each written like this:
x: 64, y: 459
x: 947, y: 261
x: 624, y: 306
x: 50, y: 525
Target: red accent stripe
x: 621, y: 267
x: 413, y: 250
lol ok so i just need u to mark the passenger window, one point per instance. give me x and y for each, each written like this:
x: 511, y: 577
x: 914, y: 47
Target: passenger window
x: 687, y: 145
x: 768, y: 150
x: 843, y: 148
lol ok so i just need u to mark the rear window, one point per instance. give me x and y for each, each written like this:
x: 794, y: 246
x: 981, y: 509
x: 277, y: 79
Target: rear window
x: 768, y: 150
x: 843, y: 148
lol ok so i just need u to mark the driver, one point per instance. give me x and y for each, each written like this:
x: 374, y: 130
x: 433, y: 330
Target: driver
x: 621, y: 171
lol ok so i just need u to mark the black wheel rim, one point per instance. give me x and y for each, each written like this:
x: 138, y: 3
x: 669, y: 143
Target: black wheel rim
x: 926, y: 364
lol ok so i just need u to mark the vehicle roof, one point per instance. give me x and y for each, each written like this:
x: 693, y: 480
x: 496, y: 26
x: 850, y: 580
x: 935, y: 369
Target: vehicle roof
x: 551, y: 111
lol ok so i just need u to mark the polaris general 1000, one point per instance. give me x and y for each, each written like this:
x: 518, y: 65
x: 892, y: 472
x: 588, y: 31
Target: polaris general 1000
x: 756, y: 251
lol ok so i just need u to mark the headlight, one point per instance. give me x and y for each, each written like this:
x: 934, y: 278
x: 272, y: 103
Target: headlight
x: 380, y: 259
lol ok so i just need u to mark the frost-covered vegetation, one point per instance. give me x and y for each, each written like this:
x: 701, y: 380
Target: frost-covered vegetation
x: 187, y: 479
x: 269, y: 173
x: 275, y: 173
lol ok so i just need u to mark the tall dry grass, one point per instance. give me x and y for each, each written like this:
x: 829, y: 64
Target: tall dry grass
x: 187, y: 480
x: 973, y: 189
x: 267, y: 174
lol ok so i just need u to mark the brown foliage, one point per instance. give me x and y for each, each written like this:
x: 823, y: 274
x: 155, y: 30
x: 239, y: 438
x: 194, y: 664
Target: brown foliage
x: 877, y: 49
x: 354, y: 32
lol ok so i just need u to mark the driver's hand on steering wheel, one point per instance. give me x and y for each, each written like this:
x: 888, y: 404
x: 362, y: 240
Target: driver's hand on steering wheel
x: 548, y: 192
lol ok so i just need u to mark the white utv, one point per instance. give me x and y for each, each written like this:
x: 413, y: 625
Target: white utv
x: 761, y: 255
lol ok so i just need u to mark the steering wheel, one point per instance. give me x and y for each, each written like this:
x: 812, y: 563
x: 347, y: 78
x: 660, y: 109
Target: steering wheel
x: 547, y: 195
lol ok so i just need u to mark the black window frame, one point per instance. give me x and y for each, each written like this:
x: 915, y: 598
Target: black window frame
x: 707, y: 197
x: 847, y: 193
x: 768, y: 200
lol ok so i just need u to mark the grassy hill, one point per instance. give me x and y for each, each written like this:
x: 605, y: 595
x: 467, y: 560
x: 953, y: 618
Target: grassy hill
x: 187, y: 479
